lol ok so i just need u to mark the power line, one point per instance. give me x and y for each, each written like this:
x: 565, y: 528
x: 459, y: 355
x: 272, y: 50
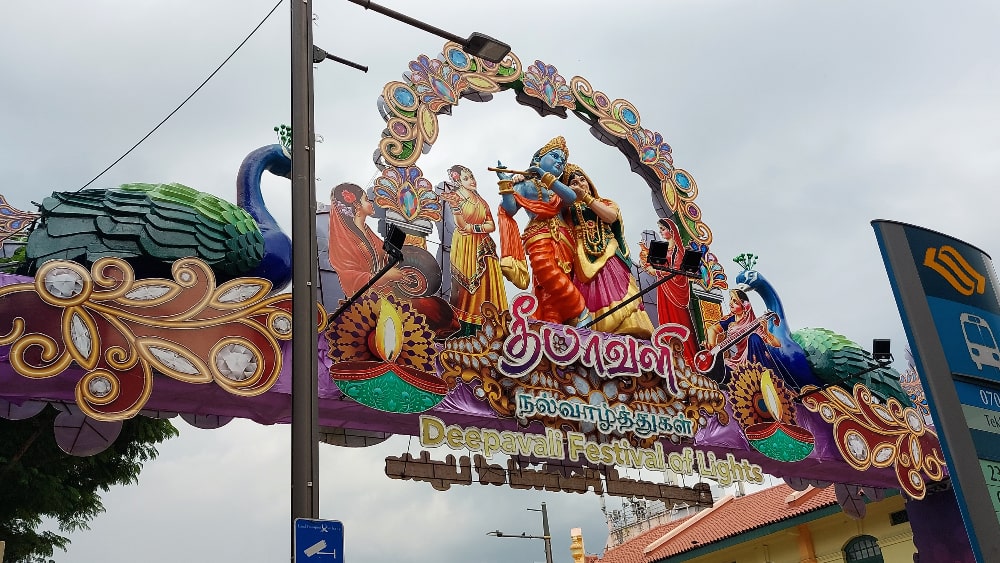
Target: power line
x: 196, y: 90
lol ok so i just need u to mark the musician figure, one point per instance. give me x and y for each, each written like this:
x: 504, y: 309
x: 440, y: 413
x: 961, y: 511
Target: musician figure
x: 742, y: 320
x: 547, y: 241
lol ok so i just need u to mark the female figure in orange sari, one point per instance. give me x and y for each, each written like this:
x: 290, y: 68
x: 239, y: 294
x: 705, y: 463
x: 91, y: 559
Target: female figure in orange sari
x: 475, y: 267
x: 356, y: 252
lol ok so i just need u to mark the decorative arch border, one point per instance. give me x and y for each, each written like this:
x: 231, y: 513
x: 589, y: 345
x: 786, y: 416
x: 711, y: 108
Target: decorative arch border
x: 432, y: 86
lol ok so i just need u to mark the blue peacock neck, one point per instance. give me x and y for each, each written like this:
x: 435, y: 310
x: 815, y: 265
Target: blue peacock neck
x: 276, y: 263
x: 770, y: 298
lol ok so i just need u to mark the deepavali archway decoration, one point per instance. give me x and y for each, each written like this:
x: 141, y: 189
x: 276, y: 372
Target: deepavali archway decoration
x: 411, y: 111
x: 695, y: 381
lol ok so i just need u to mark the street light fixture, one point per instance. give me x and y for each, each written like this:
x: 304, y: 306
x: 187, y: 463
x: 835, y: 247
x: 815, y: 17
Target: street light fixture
x: 523, y: 535
x: 319, y: 55
x: 478, y: 44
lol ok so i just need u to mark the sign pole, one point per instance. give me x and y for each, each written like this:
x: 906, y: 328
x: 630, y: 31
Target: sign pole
x: 940, y: 285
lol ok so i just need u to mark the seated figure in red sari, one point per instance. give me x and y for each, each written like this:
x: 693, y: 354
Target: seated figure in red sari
x: 357, y: 255
x: 547, y: 239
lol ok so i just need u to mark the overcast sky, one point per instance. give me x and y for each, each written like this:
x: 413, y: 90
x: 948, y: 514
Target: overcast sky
x: 800, y: 121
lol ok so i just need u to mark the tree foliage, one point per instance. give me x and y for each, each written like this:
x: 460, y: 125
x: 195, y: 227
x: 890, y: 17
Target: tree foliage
x: 38, y: 480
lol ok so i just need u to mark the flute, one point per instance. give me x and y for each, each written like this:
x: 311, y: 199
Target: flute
x: 524, y: 173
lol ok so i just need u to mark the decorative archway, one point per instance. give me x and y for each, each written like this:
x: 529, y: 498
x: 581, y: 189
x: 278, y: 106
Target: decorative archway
x: 411, y: 111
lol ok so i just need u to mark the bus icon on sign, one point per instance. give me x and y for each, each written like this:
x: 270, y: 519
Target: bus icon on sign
x: 980, y: 341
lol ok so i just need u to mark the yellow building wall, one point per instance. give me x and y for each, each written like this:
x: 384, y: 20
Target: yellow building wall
x: 823, y: 540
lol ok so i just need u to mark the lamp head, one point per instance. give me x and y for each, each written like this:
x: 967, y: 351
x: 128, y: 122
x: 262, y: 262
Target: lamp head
x: 657, y: 256
x: 691, y: 263
x: 486, y: 48
x: 394, y: 239
x: 882, y: 350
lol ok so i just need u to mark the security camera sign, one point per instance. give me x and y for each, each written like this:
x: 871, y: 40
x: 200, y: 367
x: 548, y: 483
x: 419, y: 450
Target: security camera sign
x: 318, y: 541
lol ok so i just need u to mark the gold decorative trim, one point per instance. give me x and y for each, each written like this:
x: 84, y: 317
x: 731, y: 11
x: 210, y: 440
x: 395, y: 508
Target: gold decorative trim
x: 122, y: 331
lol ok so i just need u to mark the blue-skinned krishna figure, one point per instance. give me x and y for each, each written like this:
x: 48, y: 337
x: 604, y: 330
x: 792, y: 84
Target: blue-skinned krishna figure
x: 547, y: 240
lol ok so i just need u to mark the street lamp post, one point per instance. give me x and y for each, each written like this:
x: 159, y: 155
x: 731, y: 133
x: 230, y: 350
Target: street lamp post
x: 545, y: 533
x: 305, y: 406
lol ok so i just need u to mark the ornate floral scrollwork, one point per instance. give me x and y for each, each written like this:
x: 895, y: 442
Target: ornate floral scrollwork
x: 122, y: 331
x: 618, y: 117
x: 544, y: 82
x: 621, y: 119
x: 434, y: 85
x: 880, y: 435
x: 13, y: 221
x: 405, y: 191
x: 470, y: 358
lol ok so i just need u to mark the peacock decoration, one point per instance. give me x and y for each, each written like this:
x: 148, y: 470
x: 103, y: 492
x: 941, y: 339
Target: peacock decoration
x: 830, y: 358
x: 152, y: 225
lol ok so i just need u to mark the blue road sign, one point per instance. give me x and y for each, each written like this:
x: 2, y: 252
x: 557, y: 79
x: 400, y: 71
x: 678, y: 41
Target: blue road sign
x: 318, y: 541
x: 946, y: 290
x: 969, y: 337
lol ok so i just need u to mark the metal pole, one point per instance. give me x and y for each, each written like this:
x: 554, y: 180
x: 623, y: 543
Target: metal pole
x: 305, y: 433
x: 369, y: 5
x: 546, y: 535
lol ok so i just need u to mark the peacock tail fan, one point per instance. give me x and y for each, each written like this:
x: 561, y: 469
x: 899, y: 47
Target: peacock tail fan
x: 835, y: 359
x: 150, y: 225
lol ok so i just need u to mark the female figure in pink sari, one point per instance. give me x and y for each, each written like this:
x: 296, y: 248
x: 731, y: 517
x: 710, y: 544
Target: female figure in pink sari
x: 602, y: 269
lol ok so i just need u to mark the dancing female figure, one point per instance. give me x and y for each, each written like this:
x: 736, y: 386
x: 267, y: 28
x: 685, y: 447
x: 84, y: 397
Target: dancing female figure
x: 475, y: 267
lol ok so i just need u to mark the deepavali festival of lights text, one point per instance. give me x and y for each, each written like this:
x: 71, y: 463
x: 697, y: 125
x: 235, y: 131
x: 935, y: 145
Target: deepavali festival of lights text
x: 555, y: 444
x: 608, y: 355
x: 607, y: 419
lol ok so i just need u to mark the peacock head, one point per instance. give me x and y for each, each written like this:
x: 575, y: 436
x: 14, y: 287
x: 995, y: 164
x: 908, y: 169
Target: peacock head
x: 748, y: 277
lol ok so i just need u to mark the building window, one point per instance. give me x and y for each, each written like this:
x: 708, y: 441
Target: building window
x: 863, y: 549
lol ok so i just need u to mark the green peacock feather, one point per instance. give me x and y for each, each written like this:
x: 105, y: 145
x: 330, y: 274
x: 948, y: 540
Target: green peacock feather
x: 835, y: 359
x: 150, y: 225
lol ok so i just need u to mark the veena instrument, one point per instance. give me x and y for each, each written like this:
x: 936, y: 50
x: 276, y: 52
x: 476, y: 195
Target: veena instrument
x: 704, y: 360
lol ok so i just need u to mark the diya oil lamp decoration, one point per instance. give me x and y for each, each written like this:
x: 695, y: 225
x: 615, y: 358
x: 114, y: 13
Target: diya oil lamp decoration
x: 383, y: 357
x: 763, y: 406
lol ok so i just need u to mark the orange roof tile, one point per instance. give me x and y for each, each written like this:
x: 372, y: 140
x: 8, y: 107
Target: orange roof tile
x: 729, y: 517
x: 632, y: 550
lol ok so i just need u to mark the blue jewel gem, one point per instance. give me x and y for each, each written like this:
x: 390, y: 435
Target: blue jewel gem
x: 458, y: 58
x: 403, y: 96
x: 682, y: 180
x: 629, y: 116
